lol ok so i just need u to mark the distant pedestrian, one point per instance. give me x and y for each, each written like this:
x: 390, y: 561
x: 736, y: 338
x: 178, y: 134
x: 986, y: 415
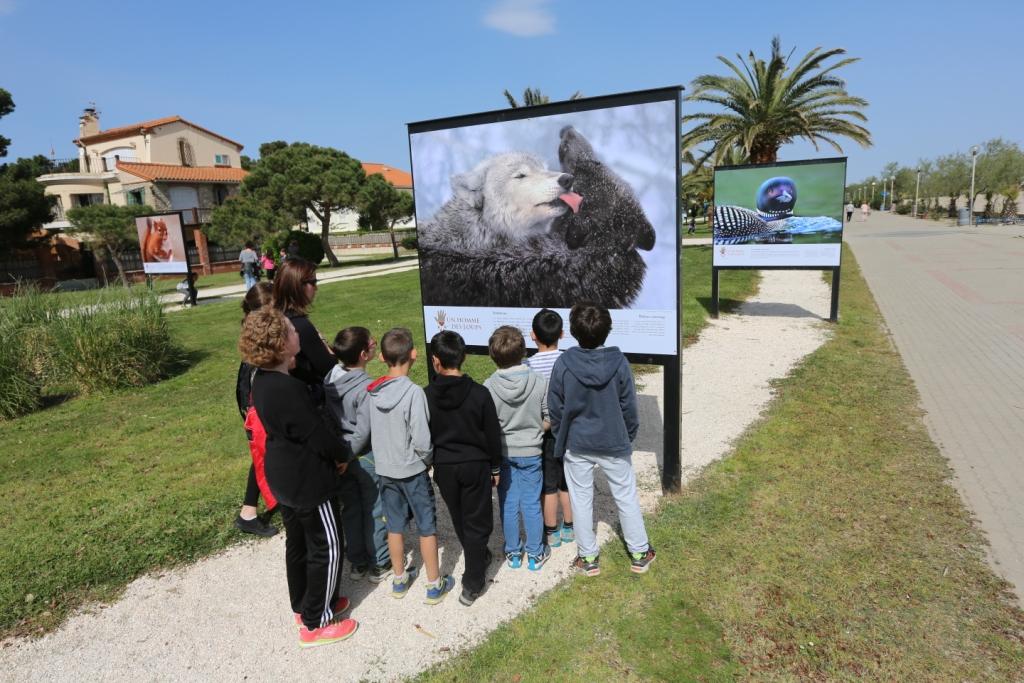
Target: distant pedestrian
x: 693, y: 220
x: 849, y: 211
x: 865, y: 211
x: 188, y: 288
x: 267, y: 262
x: 250, y: 265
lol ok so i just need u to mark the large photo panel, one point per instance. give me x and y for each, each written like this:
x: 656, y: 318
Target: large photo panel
x: 162, y: 243
x: 549, y: 209
x: 786, y: 214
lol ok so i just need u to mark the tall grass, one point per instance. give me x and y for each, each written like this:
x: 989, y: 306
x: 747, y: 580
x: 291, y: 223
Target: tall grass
x: 118, y: 338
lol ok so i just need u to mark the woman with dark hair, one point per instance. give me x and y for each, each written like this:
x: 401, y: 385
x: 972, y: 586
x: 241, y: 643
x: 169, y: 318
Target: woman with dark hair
x: 248, y: 519
x: 294, y: 291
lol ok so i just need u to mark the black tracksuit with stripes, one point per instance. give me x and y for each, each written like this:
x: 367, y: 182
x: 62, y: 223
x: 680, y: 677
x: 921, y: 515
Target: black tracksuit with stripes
x: 301, y: 459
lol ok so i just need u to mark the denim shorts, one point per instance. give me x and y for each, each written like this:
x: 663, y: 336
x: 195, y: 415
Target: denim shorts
x: 411, y: 497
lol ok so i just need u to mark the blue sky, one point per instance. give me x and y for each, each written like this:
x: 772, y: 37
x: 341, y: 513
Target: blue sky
x: 351, y: 75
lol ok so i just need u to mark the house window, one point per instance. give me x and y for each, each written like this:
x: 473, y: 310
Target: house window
x: 185, y: 153
x: 136, y: 197
x: 86, y: 199
x: 222, y: 160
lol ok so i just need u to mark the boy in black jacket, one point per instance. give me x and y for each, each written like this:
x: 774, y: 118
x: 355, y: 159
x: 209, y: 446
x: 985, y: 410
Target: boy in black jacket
x: 467, y: 454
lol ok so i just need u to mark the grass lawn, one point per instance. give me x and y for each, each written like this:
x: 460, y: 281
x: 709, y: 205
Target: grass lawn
x: 829, y: 546
x: 102, y: 488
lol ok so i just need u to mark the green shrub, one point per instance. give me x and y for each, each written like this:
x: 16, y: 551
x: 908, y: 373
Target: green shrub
x: 904, y: 209
x: 20, y: 386
x: 117, y: 339
x: 120, y: 341
x: 310, y: 246
x: 410, y: 243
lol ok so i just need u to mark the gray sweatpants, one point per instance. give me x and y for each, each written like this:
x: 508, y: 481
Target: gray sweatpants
x: 618, y: 470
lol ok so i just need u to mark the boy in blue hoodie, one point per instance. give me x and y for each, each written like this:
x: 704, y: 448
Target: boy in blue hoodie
x: 362, y: 514
x: 593, y: 413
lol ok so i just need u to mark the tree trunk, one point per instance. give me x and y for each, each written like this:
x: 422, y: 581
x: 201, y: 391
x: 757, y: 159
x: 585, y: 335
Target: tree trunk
x: 120, y: 268
x: 763, y: 154
x: 394, y: 245
x: 325, y: 240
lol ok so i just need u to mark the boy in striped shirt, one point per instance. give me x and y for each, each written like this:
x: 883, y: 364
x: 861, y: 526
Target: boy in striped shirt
x: 547, y: 330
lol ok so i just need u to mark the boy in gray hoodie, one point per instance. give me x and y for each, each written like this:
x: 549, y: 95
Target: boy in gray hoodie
x: 519, y: 396
x: 400, y: 434
x: 362, y: 514
x: 593, y: 411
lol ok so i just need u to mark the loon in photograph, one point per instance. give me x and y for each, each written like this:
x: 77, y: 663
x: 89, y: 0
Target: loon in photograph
x: 775, y: 201
x: 776, y: 198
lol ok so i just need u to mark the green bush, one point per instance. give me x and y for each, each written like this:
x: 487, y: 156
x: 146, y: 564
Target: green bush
x: 410, y: 242
x: 118, y: 339
x: 20, y: 385
x: 904, y: 209
x: 310, y: 246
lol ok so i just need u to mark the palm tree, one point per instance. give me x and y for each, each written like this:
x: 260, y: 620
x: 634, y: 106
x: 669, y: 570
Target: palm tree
x: 533, y: 96
x: 768, y: 104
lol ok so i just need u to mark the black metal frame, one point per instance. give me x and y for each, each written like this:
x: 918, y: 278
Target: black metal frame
x: 671, y: 473
x: 833, y: 315
x: 181, y: 222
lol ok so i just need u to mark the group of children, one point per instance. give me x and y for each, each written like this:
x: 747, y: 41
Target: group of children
x: 535, y: 430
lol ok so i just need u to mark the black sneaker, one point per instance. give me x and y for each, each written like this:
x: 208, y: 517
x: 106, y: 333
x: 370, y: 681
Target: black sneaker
x: 468, y: 598
x: 255, y: 526
x: 641, y: 562
x: 379, y: 574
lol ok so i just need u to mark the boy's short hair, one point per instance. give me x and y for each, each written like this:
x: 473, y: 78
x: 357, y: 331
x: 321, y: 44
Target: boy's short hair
x: 349, y: 343
x: 590, y: 324
x: 449, y: 348
x: 547, y: 326
x: 396, y: 346
x: 264, y: 337
x: 506, y: 346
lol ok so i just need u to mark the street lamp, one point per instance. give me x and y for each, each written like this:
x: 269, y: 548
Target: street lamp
x: 917, y: 190
x: 974, y: 163
x: 892, y: 193
x: 872, y: 193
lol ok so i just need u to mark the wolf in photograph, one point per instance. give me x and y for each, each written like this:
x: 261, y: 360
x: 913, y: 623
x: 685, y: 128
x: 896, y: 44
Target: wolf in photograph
x: 588, y: 251
x: 504, y: 201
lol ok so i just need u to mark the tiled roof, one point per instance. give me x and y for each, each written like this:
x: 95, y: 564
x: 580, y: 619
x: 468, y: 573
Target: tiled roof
x: 189, y: 174
x: 138, y: 128
x: 395, y: 176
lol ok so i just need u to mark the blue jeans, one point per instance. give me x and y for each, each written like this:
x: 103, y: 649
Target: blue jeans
x: 250, y: 281
x: 362, y: 515
x: 519, y: 496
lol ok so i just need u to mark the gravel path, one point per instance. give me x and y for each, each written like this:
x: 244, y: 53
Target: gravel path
x: 203, y: 621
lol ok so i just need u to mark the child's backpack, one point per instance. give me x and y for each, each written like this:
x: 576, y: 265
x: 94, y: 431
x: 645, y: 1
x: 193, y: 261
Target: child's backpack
x: 258, y: 447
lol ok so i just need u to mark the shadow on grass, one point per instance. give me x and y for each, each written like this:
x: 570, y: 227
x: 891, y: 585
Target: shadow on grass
x: 724, y: 305
x: 186, y: 360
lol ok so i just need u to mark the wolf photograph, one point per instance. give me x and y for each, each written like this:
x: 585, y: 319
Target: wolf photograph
x: 550, y: 210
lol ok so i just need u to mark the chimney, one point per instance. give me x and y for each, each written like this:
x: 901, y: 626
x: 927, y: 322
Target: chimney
x: 89, y: 122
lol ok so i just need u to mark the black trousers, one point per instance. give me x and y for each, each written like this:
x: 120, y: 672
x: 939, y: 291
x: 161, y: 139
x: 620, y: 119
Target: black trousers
x: 252, y: 489
x: 466, y: 490
x: 313, y: 551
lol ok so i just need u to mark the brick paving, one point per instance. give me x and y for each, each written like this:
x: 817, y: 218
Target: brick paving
x: 953, y: 299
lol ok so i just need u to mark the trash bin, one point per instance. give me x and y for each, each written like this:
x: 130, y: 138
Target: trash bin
x: 963, y: 216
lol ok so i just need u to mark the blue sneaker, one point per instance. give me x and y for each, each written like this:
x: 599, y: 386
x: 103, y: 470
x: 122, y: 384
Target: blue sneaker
x: 436, y: 594
x: 400, y: 588
x: 535, y: 562
x: 555, y: 538
x: 514, y: 560
x: 568, y: 535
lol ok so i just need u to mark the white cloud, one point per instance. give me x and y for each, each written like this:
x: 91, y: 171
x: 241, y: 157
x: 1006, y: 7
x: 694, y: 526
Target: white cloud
x: 6, y: 6
x: 524, y: 18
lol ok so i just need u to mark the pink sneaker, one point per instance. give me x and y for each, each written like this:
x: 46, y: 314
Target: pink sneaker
x: 340, y: 607
x: 332, y: 633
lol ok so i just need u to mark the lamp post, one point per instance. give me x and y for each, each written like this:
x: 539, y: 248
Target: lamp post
x: 872, y: 201
x: 892, y: 193
x: 917, y: 191
x: 974, y: 163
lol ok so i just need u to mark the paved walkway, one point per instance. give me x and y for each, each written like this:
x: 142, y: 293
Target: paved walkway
x: 953, y: 299
x: 209, y: 295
